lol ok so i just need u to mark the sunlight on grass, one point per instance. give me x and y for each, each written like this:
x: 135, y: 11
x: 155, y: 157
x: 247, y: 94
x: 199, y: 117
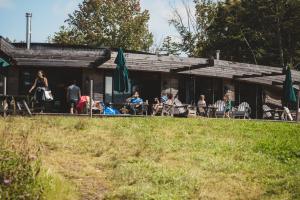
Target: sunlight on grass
x: 166, y: 158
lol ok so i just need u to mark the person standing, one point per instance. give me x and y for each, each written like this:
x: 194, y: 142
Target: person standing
x: 73, y: 96
x: 40, y: 83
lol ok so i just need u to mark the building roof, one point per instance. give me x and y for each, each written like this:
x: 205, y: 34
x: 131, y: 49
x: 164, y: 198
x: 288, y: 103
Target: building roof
x: 264, y: 75
x: 54, y: 55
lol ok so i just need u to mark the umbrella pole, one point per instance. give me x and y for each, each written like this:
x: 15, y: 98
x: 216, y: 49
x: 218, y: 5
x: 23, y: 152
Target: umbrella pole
x: 297, y: 111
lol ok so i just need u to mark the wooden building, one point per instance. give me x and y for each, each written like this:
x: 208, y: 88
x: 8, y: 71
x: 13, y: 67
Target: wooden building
x: 150, y: 74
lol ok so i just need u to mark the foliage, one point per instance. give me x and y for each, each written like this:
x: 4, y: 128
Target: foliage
x: 168, y: 158
x: 107, y: 23
x: 193, y: 31
x: 170, y: 47
x: 253, y: 31
x: 19, y: 168
x: 262, y: 32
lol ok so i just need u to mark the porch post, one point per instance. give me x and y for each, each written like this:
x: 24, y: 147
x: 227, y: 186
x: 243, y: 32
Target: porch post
x: 4, y: 85
x: 4, y: 94
x: 239, y: 92
x: 194, y: 91
x: 213, y: 91
x: 256, y: 101
x: 91, y: 97
x: 297, y: 111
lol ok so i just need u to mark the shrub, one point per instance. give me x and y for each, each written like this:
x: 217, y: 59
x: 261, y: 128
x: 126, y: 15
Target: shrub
x: 19, y: 169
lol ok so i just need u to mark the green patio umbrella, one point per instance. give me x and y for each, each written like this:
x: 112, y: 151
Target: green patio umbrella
x: 288, y: 90
x: 121, y: 73
x: 3, y: 64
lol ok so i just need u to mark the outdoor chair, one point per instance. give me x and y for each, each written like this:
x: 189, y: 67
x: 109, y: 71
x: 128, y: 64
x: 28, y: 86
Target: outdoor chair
x: 180, y: 110
x: 158, y: 110
x: 268, y: 113
x: 192, y: 111
x: 167, y: 110
x: 242, y: 111
x: 139, y: 109
x: 220, y: 111
x: 287, y: 115
x: 14, y: 105
x: 175, y: 109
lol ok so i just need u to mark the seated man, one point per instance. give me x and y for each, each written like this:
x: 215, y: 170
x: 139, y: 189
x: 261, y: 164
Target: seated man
x: 136, y: 103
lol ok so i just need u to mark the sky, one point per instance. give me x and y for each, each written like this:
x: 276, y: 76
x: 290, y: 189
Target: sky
x: 49, y: 15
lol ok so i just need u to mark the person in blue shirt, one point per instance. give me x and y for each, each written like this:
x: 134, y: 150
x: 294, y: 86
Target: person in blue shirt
x: 136, y: 102
x: 135, y: 99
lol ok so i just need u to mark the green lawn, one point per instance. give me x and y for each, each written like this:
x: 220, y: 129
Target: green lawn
x: 164, y: 158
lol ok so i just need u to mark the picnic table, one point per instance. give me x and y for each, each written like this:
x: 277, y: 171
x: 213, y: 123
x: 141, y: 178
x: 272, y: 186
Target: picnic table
x: 211, y: 111
x: 14, y: 104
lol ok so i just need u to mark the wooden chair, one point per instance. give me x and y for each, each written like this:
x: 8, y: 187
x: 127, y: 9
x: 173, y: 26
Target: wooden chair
x: 180, y: 110
x: 268, y: 113
x: 176, y: 108
x: 242, y: 111
x: 288, y: 115
x: 167, y: 110
x: 220, y: 105
x: 15, y: 105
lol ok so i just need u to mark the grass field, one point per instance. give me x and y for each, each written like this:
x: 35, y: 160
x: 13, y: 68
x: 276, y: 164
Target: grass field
x: 163, y: 158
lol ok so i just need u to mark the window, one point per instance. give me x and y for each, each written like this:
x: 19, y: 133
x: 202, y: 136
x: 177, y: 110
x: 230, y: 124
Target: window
x: 2, y: 84
x: 108, y: 89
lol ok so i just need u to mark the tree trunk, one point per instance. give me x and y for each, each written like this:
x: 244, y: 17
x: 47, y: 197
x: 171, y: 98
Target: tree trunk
x: 279, y: 38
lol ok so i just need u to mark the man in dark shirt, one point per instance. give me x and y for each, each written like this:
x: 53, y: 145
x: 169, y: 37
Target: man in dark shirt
x: 73, y: 96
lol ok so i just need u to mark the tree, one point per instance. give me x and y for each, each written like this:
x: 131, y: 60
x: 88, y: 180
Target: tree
x: 112, y: 23
x: 193, y: 29
x: 257, y: 31
x: 253, y: 31
x: 170, y: 47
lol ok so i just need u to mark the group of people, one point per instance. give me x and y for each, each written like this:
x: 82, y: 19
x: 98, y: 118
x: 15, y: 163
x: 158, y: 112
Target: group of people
x: 41, y: 87
x: 201, y: 104
x: 76, y: 101
x: 202, y: 107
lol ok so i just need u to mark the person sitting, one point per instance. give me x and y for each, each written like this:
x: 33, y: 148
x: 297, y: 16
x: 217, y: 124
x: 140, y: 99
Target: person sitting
x: 156, y: 106
x: 135, y: 102
x: 228, y: 106
x: 201, y: 105
x: 170, y: 100
x: 82, y: 105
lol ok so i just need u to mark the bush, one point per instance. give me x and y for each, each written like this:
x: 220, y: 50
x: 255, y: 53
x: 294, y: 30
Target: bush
x: 19, y: 169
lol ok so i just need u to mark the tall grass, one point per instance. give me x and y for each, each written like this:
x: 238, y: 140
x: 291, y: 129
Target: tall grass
x: 165, y: 158
x: 19, y: 166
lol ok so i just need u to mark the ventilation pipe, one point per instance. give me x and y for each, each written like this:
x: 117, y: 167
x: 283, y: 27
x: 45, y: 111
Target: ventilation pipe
x: 218, y: 54
x: 28, y: 29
